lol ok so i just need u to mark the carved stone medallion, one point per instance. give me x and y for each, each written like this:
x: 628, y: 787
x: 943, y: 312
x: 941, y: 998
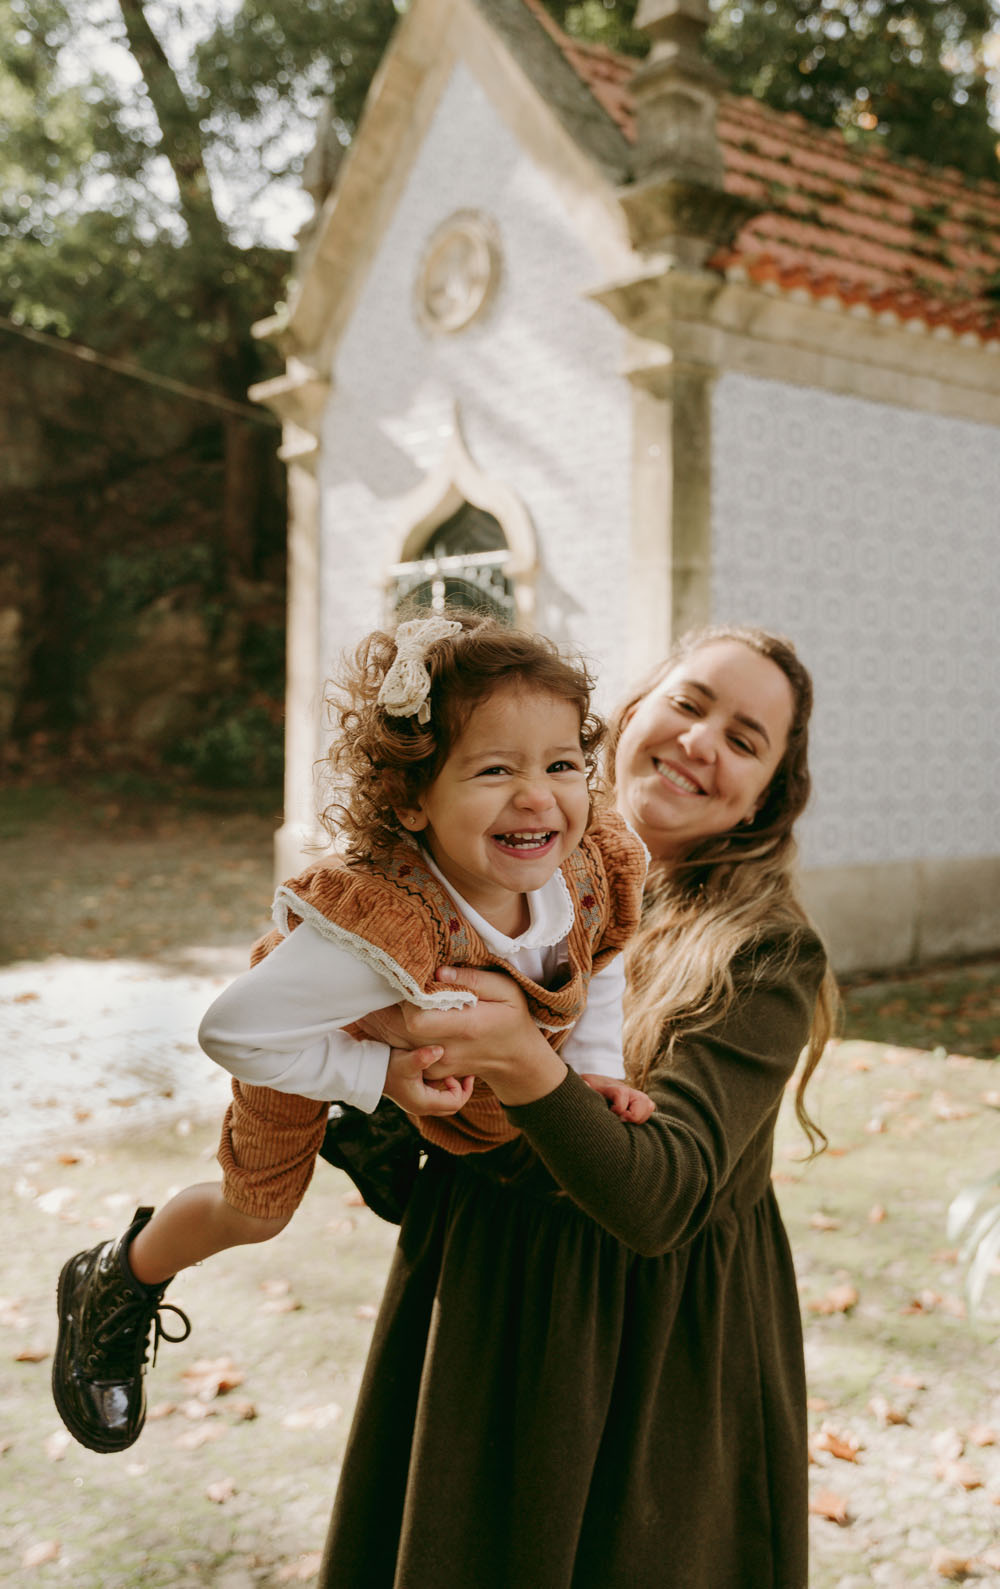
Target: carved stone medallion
x: 458, y: 272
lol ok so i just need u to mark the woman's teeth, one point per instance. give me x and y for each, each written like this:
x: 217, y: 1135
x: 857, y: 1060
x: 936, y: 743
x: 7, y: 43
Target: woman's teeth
x: 523, y: 841
x: 677, y: 779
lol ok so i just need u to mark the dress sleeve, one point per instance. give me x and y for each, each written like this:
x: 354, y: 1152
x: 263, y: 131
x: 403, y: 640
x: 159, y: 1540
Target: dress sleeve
x: 280, y: 1024
x: 655, y: 1185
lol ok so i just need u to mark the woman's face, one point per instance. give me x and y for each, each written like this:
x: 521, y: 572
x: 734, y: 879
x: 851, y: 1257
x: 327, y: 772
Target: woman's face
x: 697, y: 753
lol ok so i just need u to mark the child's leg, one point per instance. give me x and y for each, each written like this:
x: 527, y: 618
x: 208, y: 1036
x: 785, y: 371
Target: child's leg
x: 193, y: 1225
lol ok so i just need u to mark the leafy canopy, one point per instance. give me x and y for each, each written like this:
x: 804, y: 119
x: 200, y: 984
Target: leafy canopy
x: 908, y: 74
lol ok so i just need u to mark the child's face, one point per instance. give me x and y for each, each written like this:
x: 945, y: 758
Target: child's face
x: 511, y: 801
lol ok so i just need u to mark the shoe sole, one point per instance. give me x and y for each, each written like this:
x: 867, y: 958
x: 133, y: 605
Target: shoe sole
x: 79, y: 1433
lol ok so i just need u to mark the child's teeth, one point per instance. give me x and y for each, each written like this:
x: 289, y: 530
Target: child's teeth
x: 523, y: 839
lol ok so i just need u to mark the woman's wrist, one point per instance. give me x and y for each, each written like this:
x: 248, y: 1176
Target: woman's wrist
x: 533, y: 1073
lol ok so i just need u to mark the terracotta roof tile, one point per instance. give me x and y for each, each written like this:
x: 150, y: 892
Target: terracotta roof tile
x: 839, y: 221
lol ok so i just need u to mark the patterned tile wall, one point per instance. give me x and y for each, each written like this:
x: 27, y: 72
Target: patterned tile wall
x: 871, y: 535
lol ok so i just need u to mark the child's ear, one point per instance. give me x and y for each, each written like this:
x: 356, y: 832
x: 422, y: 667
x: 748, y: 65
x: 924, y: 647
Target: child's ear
x: 412, y: 818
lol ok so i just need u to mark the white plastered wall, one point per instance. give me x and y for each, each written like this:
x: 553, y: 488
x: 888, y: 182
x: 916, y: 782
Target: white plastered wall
x: 541, y: 404
x: 869, y: 534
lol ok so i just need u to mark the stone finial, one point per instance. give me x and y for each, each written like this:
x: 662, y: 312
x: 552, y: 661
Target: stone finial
x: 677, y: 204
x: 676, y: 92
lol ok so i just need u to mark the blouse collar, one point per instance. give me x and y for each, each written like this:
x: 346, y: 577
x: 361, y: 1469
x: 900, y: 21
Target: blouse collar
x: 550, y: 909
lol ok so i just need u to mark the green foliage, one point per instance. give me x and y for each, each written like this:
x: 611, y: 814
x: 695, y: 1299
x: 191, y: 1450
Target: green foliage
x: 242, y: 749
x: 908, y: 75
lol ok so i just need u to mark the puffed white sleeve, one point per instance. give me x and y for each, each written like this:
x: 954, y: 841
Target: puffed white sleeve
x: 280, y: 1024
x: 594, y: 1046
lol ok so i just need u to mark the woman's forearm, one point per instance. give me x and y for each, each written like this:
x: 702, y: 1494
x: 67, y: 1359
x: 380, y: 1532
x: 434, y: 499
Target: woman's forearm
x: 526, y: 1076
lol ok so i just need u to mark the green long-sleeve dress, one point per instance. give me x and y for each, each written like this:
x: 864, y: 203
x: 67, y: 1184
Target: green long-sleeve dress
x: 589, y: 1375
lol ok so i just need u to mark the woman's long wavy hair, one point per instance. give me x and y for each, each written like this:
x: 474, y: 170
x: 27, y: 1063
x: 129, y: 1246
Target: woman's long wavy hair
x: 724, y: 894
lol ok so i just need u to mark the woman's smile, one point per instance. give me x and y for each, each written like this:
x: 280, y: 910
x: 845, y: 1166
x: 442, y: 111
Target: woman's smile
x: 679, y: 780
x: 697, y: 753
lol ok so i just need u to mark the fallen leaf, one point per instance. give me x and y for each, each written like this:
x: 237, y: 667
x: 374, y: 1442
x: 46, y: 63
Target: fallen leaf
x: 981, y: 1434
x: 844, y: 1447
x: 220, y: 1490
x: 26, y: 998
x: 992, y: 1099
x: 909, y: 1381
x: 280, y: 1305
x: 312, y: 1417
x: 365, y: 1310
x: 947, y: 1565
x: 876, y: 1214
x: 31, y: 1354
x: 820, y: 1221
x: 197, y: 1410
x: 825, y: 1503
x: 302, y: 1570
x: 211, y: 1377
x: 817, y: 1403
x: 948, y: 1445
x: 946, y: 1108
x: 242, y: 1411
x: 839, y: 1299
x: 961, y: 1473
x: 885, y: 1412
x: 37, y: 1555
x: 161, y: 1409
x: 354, y: 1200
x: 56, y: 1444
x: 198, y: 1437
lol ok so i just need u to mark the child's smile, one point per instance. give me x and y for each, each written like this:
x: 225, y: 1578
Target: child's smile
x: 510, y: 803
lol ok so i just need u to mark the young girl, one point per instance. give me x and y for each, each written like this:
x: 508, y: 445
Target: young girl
x: 464, y: 761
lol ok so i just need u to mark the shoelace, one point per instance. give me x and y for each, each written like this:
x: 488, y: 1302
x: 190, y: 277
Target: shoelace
x: 120, y: 1329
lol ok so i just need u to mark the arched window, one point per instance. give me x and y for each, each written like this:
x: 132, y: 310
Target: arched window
x: 461, y: 564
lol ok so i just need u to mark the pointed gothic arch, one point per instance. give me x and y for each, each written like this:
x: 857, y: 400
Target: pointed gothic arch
x: 463, y: 538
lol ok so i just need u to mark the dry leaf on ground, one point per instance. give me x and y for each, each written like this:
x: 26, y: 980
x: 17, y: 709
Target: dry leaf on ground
x: 839, y: 1299
x: 826, y: 1503
x: 960, y: 1473
x: 45, y: 1551
x: 210, y: 1377
x: 845, y: 1447
x: 947, y: 1565
x: 886, y: 1414
x: 312, y: 1417
x: 220, y: 1490
x: 302, y: 1570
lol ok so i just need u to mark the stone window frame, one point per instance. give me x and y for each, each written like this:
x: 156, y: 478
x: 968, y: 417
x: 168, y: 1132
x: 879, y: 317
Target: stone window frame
x: 455, y: 481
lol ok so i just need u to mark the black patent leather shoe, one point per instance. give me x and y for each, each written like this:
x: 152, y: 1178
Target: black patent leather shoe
x: 105, y: 1315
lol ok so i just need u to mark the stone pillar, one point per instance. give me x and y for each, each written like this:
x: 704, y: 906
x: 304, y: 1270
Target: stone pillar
x: 300, y: 397
x: 678, y: 213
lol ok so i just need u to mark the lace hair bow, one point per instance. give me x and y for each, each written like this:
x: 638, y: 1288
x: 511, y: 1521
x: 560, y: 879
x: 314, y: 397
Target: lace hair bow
x: 407, y: 684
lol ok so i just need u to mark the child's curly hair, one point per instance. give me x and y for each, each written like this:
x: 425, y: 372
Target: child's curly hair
x: 379, y: 765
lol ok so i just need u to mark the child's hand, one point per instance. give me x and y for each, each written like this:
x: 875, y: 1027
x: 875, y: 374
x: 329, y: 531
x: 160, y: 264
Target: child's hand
x: 626, y: 1102
x: 407, y: 1085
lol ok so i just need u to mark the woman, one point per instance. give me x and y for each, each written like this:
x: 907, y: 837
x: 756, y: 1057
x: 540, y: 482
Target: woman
x: 587, y: 1372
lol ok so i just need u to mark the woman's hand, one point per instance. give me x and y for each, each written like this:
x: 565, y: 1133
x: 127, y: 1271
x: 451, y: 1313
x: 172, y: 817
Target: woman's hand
x: 495, y: 1038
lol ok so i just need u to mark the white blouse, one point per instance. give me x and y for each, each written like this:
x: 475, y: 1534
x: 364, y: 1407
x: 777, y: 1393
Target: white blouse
x: 281, y: 1023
